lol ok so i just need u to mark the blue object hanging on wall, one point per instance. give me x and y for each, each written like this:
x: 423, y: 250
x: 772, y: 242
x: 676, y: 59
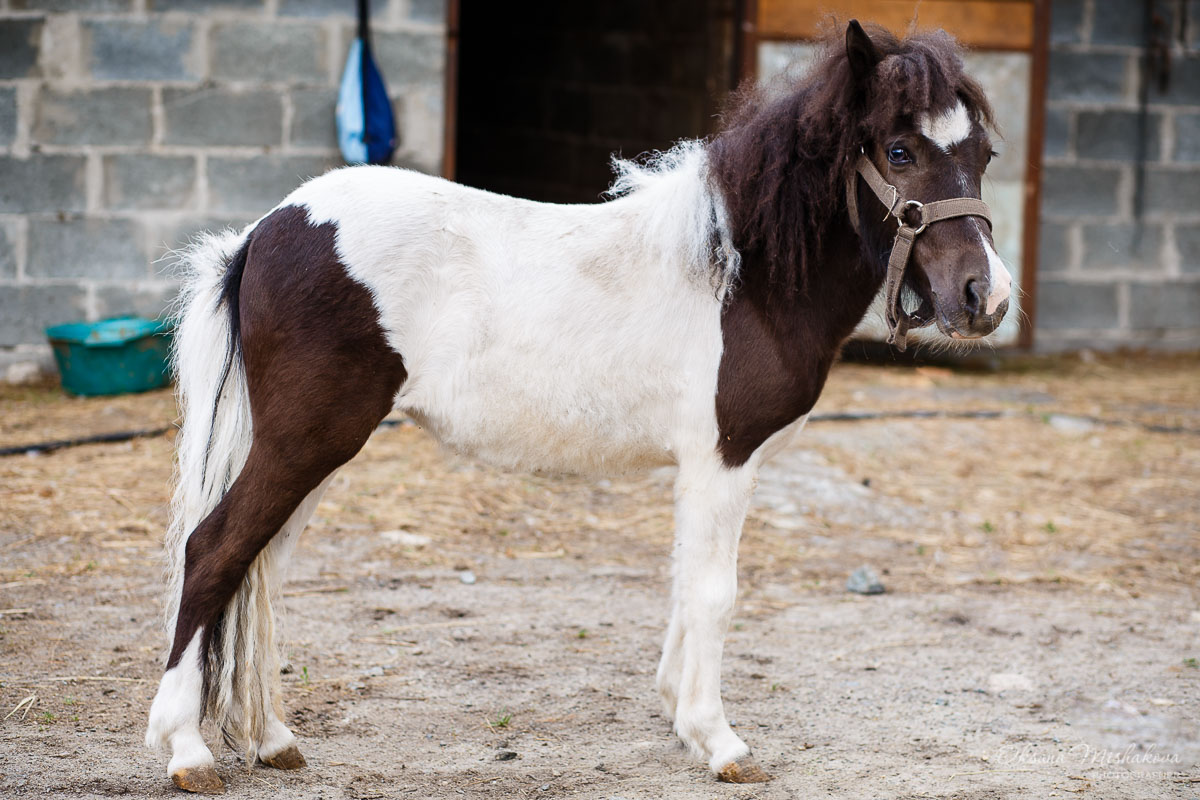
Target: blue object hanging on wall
x: 365, y: 125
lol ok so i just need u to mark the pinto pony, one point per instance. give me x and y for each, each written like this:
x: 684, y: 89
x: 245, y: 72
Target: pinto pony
x: 691, y: 320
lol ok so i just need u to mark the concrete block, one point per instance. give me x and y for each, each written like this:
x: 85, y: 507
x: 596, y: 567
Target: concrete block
x: 1187, y: 241
x: 420, y: 114
x: 1184, y: 85
x: 174, y: 235
x: 1066, y: 21
x: 290, y: 53
x: 19, y: 41
x: 313, y: 124
x: 1072, y: 191
x: 8, y: 250
x: 323, y: 8
x: 1115, y: 135
x: 86, y: 248
x: 1123, y: 245
x: 126, y: 49
x: 1187, y: 137
x: 1164, y: 306
x: 222, y: 117
x: 203, y: 6
x: 117, y: 116
x: 1063, y: 305
x: 1172, y: 190
x: 1118, y: 22
x: 1054, y: 247
x: 1093, y: 77
x: 432, y: 12
x: 8, y: 115
x: 68, y: 6
x: 1057, y: 133
x: 147, y: 182
x: 410, y: 59
x: 143, y: 300
x: 42, y: 183
x: 255, y: 185
x: 26, y: 311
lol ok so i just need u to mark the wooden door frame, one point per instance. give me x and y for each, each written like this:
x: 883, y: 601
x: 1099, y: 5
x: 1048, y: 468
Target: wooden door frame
x: 450, y: 98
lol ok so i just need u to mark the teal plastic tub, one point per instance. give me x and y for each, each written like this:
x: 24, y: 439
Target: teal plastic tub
x: 114, y: 356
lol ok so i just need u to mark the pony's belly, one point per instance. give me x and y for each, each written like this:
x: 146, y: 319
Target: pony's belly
x: 516, y: 428
x: 538, y: 452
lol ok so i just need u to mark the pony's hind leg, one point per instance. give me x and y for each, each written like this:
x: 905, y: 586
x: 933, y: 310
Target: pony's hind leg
x: 319, y: 376
x: 277, y: 747
x: 175, y: 722
x: 207, y: 655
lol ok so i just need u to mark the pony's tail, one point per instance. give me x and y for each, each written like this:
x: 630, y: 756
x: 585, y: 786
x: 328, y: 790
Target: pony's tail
x: 241, y: 674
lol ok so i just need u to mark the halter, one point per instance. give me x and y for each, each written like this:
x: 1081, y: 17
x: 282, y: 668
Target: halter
x: 899, y: 320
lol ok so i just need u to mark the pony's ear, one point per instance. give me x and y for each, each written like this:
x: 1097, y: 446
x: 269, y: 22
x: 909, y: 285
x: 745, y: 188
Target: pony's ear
x: 861, y: 52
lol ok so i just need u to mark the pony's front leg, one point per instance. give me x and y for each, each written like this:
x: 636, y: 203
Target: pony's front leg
x: 710, y: 506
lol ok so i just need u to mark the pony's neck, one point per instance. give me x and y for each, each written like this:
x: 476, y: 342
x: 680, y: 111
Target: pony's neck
x: 838, y: 289
x: 779, y: 343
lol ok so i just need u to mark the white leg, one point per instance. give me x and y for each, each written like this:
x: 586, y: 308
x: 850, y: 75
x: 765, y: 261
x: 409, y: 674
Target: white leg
x: 277, y: 746
x: 175, y: 721
x: 670, y: 667
x: 710, y: 506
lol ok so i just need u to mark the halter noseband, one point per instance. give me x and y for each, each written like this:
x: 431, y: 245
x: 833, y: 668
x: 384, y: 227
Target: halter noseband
x: 899, y: 320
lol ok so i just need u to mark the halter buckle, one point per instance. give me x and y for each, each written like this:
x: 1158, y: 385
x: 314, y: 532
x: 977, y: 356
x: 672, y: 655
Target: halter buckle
x: 918, y: 205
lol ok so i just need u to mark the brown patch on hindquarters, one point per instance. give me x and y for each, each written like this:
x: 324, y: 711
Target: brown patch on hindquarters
x: 744, y: 771
x: 288, y: 758
x: 200, y: 780
x: 320, y: 375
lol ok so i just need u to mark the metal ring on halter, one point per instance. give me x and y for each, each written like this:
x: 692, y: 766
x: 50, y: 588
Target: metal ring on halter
x: 912, y: 204
x: 895, y: 197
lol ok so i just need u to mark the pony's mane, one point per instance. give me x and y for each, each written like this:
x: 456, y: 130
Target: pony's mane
x: 683, y: 217
x: 784, y: 153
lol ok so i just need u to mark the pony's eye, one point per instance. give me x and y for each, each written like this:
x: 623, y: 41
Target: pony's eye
x: 899, y: 156
x: 992, y: 154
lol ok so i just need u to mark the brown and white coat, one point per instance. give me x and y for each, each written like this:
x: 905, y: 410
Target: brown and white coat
x: 691, y: 321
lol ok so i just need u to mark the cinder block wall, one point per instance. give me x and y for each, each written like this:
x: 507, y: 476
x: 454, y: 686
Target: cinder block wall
x: 128, y: 125
x: 1120, y: 235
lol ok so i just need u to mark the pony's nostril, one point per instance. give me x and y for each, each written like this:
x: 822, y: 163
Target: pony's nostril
x: 973, y: 299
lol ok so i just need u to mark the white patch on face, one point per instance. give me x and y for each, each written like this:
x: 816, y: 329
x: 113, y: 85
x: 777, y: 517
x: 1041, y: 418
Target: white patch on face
x: 1000, y: 280
x: 948, y: 128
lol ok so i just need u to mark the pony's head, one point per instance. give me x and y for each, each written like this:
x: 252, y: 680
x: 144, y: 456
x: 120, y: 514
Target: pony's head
x: 786, y: 165
x: 925, y: 130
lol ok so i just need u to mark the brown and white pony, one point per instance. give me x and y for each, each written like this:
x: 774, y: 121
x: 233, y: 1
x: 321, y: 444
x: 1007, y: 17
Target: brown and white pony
x: 691, y: 320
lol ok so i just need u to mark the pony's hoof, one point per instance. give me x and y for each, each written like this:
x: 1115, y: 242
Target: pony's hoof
x: 201, y: 780
x: 289, y: 757
x: 744, y: 771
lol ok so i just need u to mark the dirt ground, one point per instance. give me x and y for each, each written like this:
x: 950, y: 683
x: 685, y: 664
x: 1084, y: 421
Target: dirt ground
x: 1039, y: 636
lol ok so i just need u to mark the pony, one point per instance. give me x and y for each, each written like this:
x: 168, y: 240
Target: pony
x: 690, y: 320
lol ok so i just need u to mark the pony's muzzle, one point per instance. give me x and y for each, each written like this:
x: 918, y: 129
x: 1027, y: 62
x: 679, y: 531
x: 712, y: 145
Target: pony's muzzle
x: 964, y: 313
x: 978, y: 300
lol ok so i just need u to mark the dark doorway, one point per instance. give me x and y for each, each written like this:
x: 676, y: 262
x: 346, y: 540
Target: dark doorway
x: 548, y: 90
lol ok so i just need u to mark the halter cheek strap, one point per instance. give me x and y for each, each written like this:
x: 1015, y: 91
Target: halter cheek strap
x: 898, y: 320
